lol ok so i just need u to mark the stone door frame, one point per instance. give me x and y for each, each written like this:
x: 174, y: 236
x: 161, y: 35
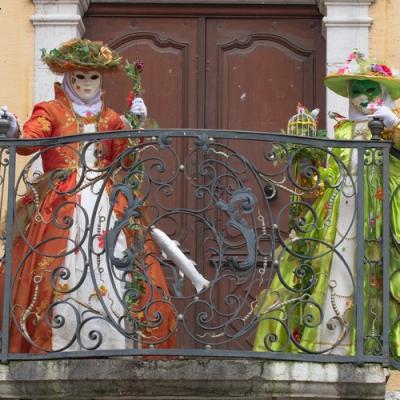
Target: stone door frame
x: 346, y: 26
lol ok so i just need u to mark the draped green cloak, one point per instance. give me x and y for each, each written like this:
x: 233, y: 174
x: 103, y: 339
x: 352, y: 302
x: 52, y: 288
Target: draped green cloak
x: 290, y: 311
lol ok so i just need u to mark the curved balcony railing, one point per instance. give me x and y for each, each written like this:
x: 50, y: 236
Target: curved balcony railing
x: 198, y: 243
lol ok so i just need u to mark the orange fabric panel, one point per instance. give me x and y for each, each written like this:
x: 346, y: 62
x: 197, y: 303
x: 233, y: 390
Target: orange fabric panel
x: 33, y: 267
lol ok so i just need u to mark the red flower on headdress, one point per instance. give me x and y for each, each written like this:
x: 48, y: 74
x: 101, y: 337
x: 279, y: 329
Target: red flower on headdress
x: 381, y: 69
x: 139, y: 65
x: 386, y: 70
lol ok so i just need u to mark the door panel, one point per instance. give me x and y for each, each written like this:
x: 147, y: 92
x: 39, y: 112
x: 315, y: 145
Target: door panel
x: 168, y: 48
x: 223, y: 67
x: 257, y: 71
x: 239, y: 72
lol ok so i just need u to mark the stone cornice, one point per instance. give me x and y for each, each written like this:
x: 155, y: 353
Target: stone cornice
x: 353, y: 21
x: 322, y: 4
x: 57, y: 20
x: 345, y: 13
x: 82, y: 4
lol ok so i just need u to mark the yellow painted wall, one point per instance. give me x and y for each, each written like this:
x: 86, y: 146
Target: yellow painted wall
x: 384, y: 37
x: 16, y: 56
x: 384, y: 44
x: 16, y: 60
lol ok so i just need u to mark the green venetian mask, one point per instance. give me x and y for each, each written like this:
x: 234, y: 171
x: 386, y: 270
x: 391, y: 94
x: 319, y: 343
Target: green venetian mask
x: 362, y: 93
x: 370, y: 89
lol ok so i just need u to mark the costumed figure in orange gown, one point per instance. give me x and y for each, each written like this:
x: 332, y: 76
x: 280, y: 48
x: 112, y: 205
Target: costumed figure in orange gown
x: 85, y: 273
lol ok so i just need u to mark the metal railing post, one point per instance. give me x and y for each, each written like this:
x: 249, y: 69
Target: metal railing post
x: 8, y: 254
x: 385, y: 253
x: 359, y: 289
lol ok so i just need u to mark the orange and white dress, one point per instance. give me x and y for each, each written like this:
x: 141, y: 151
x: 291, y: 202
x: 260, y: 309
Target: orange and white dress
x: 68, y: 293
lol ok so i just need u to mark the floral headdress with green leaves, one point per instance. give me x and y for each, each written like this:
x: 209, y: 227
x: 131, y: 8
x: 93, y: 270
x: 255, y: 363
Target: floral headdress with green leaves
x: 81, y: 55
x: 359, y: 67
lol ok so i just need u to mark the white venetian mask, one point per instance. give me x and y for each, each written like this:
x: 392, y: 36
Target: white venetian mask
x: 86, y: 84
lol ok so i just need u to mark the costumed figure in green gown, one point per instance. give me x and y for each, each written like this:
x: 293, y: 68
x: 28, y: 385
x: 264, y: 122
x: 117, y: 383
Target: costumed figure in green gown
x: 309, y: 306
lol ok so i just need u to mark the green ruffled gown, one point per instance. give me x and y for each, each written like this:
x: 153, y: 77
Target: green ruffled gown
x: 309, y: 305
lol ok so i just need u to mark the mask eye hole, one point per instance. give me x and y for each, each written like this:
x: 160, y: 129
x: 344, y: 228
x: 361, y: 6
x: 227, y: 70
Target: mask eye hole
x: 80, y: 76
x: 94, y: 77
x: 370, y: 90
x: 356, y: 91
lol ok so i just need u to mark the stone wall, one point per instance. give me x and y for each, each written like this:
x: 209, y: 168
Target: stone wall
x: 189, y: 379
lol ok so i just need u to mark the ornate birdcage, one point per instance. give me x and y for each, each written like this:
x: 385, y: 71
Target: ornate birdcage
x: 303, y: 123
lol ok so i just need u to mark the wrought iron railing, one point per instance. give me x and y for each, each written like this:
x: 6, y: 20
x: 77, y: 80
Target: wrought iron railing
x: 283, y: 252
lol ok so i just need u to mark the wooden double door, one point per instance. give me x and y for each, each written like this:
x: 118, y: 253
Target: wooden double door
x: 218, y: 67
x: 215, y: 67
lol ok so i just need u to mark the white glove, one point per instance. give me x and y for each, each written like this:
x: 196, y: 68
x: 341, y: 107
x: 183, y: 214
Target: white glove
x: 13, y: 130
x: 139, y: 108
x: 390, y: 119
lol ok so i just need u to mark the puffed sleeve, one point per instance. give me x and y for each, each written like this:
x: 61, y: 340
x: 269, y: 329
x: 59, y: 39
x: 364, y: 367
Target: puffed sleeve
x: 39, y: 125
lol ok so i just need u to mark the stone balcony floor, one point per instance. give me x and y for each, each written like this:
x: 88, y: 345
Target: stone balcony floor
x: 195, y: 379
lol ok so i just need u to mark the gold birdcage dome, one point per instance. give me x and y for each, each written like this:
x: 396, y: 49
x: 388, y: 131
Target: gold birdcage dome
x: 303, y: 123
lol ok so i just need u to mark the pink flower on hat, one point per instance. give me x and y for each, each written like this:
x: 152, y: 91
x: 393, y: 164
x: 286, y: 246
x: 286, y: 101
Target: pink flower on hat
x: 381, y: 69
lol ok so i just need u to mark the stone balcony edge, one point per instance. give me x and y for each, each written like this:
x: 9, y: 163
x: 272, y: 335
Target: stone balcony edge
x: 130, y: 378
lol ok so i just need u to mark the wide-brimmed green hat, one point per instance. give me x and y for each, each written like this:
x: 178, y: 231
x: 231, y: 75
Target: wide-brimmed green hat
x: 359, y: 67
x: 82, y: 55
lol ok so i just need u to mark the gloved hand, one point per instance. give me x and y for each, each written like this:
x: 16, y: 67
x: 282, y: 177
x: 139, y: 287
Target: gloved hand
x: 13, y: 130
x: 139, y: 108
x: 390, y: 119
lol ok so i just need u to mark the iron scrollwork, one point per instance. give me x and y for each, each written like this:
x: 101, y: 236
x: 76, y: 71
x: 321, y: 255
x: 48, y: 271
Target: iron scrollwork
x: 258, y: 255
